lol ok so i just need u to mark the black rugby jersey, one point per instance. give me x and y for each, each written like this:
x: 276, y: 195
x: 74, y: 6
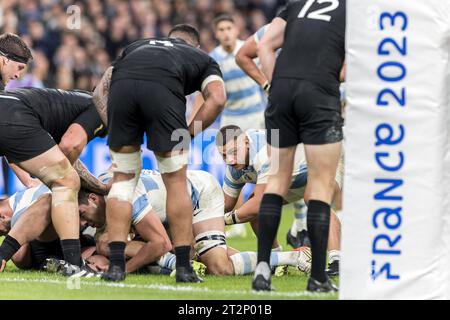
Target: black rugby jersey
x: 56, y: 109
x: 170, y: 62
x: 314, y: 42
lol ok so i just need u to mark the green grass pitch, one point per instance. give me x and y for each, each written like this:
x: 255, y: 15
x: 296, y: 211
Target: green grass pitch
x: 16, y: 284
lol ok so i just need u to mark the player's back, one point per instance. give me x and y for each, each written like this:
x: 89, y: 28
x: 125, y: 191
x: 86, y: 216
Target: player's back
x: 55, y: 108
x: 314, y: 42
x: 172, y: 62
x: 22, y: 200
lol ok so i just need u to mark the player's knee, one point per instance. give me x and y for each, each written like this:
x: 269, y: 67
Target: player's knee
x: 63, y: 181
x: 220, y: 267
x: 129, y: 166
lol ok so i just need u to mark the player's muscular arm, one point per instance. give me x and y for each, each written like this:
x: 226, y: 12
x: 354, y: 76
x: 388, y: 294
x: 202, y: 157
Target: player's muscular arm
x: 32, y: 224
x: 230, y: 202
x: 100, y: 96
x: 88, y: 180
x: 249, y: 210
x: 158, y: 243
x: 244, y: 59
x: 24, y: 176
x: 214, y: 100
x: 198, y: 103
x: 73, y: 142
x: 273, y: 39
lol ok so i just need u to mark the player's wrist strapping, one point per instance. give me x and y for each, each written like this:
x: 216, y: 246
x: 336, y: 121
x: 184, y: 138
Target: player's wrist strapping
x: 266, y: 86
x: 231, y: 218
x: 8, y: 248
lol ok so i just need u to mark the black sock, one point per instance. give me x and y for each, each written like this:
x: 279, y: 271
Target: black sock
x: 8, y: 248
x: 268, y: 222
x: 72, y: 251
x: 117, y: 254
x: 183, y: 253
x: 318, y: 220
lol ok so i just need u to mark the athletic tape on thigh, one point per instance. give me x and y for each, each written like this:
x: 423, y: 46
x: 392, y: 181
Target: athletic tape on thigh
x: 208, y: 240
x: 55, y: 172
x: 128, y: 163
x: 62, y: 195
x: 172, y: 164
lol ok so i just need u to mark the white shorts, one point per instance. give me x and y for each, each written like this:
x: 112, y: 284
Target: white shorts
x: 211, y: 198
x: 245, y: 122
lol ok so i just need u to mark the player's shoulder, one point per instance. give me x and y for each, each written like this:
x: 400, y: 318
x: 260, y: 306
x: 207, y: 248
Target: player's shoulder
x: 259, y: 34
x: 200, y: 176
x: 257, y: 138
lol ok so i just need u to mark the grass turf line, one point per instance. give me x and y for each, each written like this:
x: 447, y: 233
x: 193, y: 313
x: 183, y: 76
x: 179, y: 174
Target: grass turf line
x: 16, y: 284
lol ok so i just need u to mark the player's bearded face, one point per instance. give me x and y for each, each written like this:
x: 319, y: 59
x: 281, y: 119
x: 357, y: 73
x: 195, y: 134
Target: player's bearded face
x: 5, y: 224
x: 91, y: 215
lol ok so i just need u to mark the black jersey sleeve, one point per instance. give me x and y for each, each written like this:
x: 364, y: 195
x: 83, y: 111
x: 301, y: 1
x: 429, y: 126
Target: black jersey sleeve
x: 91, y: 122
x: 283, y: 14
x: 212, y: 69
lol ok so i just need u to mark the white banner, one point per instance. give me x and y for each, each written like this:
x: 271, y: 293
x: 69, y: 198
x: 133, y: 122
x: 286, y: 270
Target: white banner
x: 397, y: 194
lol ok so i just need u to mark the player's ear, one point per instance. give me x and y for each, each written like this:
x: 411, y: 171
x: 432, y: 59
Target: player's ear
x: 93, y: 197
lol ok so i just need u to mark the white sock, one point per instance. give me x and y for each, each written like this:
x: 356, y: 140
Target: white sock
x: 264, y: 270
x: 278, y: 249
x: 300, y: 213
x: 334, y: 255
x: 284, y: 258
x: 245, y: 262
x: 167, y: 261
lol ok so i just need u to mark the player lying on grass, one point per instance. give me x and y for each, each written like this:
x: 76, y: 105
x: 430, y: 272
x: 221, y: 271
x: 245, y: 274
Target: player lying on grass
x: 208, y: 224
x: 28, y: 213
x: 43, y: 132
x: 245, y: 154
x: 42, y: 241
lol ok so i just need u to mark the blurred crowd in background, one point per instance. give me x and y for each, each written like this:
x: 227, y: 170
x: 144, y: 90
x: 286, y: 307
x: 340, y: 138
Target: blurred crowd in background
x: 72, y: 46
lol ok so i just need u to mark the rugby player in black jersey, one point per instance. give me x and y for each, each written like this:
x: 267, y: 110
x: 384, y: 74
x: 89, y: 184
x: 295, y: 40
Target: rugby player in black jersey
x: 144, y: 92
x: 304, y: 107
x: 43, y: 132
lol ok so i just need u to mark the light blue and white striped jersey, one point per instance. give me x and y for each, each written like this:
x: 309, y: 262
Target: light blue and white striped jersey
x: 22, y: 200
x: 151, y: 194
x: 244, y: 95
x: 257, y: 171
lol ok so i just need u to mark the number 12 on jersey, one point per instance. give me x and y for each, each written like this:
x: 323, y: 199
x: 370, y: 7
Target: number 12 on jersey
x: 320, y: 13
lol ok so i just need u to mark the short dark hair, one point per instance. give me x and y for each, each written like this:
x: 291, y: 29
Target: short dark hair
x: 223, y: 17
x: 188, y: 30
x: 226, y: 134
x: 83, y: 196
x: 14, y: 48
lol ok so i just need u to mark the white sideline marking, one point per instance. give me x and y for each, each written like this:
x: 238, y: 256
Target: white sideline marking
x: 165, y: 287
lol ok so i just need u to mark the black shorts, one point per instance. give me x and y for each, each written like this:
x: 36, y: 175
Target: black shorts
x: 40, y: 251
x: 138, y: 106
x: 302, y: 112
x: 21, y: 134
